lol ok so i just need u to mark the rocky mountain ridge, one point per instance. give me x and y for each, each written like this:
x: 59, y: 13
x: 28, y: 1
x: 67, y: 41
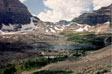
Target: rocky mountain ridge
x: 99, y: 28
x: 49, y: 28
x: 14, y: 16
x: 13, y: 12
x: 96, y: 17
x: 98, y: 21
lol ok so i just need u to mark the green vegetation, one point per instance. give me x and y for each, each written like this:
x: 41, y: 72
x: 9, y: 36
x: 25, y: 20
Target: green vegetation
x: 102, y: 72
x: 87, y: 38
x: 29, y: 65
x: 78, y: 53
x: 53, y: 72
x: 109, y: 66
x: 83, y: 38
x: 8, y: 69
x: 37, y: 64
x: 79, y: 73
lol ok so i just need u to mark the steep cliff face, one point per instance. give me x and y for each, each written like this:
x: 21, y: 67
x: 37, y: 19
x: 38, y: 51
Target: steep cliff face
x: 13, y: 12
x: 96, y: 17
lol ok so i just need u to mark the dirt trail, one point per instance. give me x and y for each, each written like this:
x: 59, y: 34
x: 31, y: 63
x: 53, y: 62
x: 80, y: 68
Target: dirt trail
x: 95, y: 61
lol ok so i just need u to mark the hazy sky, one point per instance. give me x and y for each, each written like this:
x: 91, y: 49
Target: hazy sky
x: 55, y: 10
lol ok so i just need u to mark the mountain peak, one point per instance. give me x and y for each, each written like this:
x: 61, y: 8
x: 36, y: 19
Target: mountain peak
x: 13, y: 12
x: 96, y: 17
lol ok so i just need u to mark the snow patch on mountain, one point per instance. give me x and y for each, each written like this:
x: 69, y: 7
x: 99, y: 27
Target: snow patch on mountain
x: 30, y: 26
x: 80, y: 30
x: 56, y: 28
x: 18, y: 28
x: 52, y: 30
x: 85, y: 28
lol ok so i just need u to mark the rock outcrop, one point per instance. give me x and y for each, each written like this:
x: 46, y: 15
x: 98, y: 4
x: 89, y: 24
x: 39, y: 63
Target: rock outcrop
x: 96, y: 17
x: 49, y: 27
x: 13, y: 12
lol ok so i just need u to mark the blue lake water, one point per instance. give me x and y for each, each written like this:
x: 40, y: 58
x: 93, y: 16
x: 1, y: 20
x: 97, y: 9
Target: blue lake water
x: 59, y: 47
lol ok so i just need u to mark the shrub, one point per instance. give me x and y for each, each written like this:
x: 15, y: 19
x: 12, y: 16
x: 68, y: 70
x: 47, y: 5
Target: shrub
x: 102, y: 72
x: 11, y: 70
x: 76, y: 54
x: 79, y: 73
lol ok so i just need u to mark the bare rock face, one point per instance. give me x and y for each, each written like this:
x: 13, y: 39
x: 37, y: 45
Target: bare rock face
x: 96, y: 17
x: 13, y: 12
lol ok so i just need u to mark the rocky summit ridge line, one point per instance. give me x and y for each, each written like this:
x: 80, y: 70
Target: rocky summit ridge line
x: 96, y: 17
x: 13, y: 12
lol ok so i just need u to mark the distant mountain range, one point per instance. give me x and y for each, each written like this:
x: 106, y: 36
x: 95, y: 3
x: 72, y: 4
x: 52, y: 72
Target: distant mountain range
x: 99, y: 21
x: 15, y: 17
x: 63, y: 22
x: 96, y: 17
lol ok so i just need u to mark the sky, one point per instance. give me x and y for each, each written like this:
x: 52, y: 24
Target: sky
x: 56, y: 10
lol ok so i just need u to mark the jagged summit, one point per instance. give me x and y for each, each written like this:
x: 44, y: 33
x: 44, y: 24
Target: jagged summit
x: 96, y: 17
x: 15, y: 17
x: 13, y: 12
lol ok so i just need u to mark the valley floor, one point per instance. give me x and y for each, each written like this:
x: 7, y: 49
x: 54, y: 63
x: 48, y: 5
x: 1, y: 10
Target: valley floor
x: 94, y: 62
x: 18, y: 48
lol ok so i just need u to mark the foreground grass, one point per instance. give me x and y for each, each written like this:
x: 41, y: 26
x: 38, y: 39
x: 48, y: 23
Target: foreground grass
x: 29, y: 65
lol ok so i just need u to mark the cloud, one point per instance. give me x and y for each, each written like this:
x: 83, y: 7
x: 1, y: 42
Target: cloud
x: 64, y: 9
x: 22, y: 1
x: 69, y: 9
x: 101, y: 3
